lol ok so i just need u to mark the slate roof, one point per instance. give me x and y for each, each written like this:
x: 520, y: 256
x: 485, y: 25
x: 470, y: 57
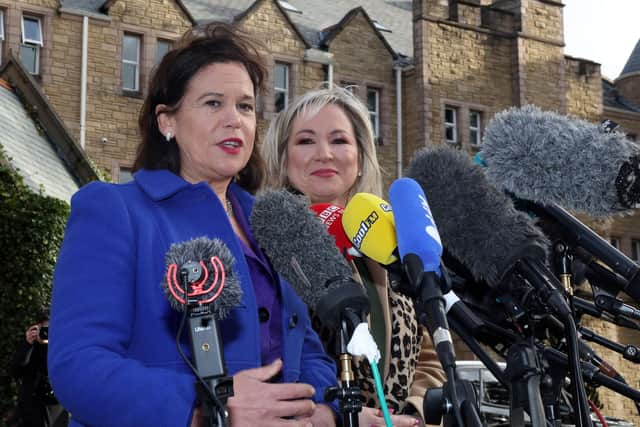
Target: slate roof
x: 35, y: 139
x: 319, y: 16
x: 612, y: 98
x: 30, y: 152
x: 633, y: 63
x: 92, y: 6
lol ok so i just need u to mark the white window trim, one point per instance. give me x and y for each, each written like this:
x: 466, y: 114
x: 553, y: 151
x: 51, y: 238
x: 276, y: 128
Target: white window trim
x: 453, y: 125
x: 1, y: 27
x: 614, y: 241
x: 32, y: 41
x: 1, y: 33
x: 376, y: 112
x: 636, y: 243
x: 136, y: 63
x: 478, y: 128
x: 285, y: 90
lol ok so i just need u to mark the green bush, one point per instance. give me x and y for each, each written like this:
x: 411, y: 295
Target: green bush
x: 31, y: 231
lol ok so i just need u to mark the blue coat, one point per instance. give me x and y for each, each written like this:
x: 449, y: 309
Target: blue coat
x: 112, y: 355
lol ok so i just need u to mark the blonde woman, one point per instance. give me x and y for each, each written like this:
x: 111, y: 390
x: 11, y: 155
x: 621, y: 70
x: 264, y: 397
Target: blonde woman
x: 322, y: 146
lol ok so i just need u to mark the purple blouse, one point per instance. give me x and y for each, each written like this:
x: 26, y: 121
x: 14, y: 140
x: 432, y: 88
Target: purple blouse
x: 267, y: 298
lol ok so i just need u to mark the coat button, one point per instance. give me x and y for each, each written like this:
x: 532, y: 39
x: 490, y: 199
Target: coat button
x: 293, y: 321
x: 263, y: 315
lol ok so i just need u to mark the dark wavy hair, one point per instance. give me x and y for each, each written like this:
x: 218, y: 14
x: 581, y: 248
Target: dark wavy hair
x: 198, y: 48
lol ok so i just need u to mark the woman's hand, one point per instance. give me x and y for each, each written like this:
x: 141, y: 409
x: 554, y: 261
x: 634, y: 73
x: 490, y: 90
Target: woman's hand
x: 257, y: 402
x: 322, y: 417
x: 370, y: 417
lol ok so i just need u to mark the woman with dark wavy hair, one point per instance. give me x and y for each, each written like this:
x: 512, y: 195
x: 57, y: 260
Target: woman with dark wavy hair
x: 113, y: 357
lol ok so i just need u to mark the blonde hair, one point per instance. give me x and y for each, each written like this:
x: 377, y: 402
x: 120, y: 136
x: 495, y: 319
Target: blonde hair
x: 274, y: 148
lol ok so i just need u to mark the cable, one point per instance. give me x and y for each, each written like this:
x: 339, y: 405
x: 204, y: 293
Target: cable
x: 595, y: 409
x: 380, y: 393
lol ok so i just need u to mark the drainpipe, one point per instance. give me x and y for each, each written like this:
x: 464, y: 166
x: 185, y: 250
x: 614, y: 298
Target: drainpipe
x: 83, y: 81
x: 398, y: 71
x: 321, y: 57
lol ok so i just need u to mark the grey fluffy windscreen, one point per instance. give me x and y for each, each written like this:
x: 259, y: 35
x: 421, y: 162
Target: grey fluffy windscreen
x: 478, y: 225
x: 203, y: 249
x: 546, y: 157
x: 286, y: 228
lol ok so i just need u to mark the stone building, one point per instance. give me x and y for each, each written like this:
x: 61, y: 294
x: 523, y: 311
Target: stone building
x: 430, y: 72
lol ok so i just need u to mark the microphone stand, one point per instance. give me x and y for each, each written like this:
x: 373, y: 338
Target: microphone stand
x: 458, y: 397
x: 629, y: 352
x: 349, y: 395
x: 541, y: 279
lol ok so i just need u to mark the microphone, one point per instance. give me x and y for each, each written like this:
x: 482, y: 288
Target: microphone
x: 368, y: 223
x: 532, y: 154
x: 480, y: 225
x: 490, y: 237
x: 201, y: 282
x: 420, y: 250
x: 549, y: 158
x: 305, y: 254
x: 331, y: 216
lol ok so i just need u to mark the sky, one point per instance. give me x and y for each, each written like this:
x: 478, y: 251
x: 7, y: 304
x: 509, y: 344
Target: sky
x: 603, y: 31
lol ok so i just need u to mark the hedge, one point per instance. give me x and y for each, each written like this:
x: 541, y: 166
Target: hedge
x: 31, y: 231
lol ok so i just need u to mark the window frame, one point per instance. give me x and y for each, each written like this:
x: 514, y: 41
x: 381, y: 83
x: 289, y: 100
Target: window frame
x: 614, y: 241
x: 138, y: 38
x: 32, y: 41
x: 162, y: 41
x: 376, y: 113
x: 635, y: 249
x: 1, y: 33
x: 478, y: 129
x: 284, y: 90
x: 36, y: 45
x: 453, y: 125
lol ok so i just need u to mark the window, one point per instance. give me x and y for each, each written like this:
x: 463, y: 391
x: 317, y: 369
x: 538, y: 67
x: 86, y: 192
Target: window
x: 451, y: 124
x: 31, y: 43
x: 475, y: 127
x: 131, y: 62
x: 615, y: 242
x: 373, y: 105
x: 124, y: 175
x: 162, y: 47
x: 1, y: 32
x: 281, y: 86
x: 635, y: 250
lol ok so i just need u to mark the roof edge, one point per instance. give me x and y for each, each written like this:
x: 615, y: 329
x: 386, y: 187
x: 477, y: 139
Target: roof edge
x: 26, y: 88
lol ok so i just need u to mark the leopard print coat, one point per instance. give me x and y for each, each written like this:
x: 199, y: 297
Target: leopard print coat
x: 411, y: 366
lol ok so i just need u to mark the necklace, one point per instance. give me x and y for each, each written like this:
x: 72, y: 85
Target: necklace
x: 228, y: 208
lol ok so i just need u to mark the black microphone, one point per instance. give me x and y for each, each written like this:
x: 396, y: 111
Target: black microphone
x: 478, y: 224
x: 549, y: 158
x: 302, y: 250
x: 482, y: 229
x: 201, y: 282
x: 552, y: 163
